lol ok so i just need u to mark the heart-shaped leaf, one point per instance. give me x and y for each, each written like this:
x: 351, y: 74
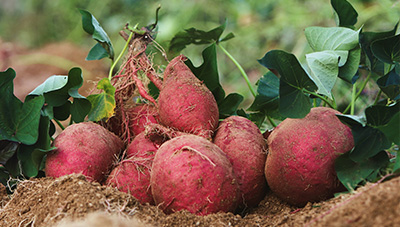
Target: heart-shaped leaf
x: 103, y: 104
x: 324, y: 68
x: 267, y: 99
x: 293, y: 102
x: 387, y: 49
x: 366, y: 39
x: 392, y: 129
x: 19, y: 121
x: 349, y: 70
x: 345, y: 14
x: 196, y: 36
x: 93, y: 27
x: 352, y: 173
x: 332, y: 38
x: 379, y: 115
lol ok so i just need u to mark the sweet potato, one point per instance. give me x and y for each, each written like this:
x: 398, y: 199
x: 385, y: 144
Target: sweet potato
x: 140, y: 116
x: 132, y: 176
x: 144, y: 145
x: 245, y: 146
x: 185, y: 103
x: 300, y: 162
x: 191, y: 173
x: 85, y: 148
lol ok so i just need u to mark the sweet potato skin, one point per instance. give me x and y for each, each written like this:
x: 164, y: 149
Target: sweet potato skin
x: 140, y: 116
x: 191, y: 173
x: 300, y: 162
x: 132, y: 176
x: 85, y: 148
x: 245, y: 146
x: 185, y: 103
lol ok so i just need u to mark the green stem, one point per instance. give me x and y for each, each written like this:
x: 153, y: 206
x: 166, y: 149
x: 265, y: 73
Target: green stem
x: 332, y: 105
x: 271, y: 121
x: 377, y: 97
x: 119, y: 56
x: 353, y: 99
x: 246, y: 78
x: 59, y: 124
x: 358, y: 93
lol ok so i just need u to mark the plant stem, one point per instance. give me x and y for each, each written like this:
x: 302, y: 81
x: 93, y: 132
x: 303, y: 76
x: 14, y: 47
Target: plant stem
x: 59, y: 124
x: 377, y: 97
x: 353, y: 99
x: 358, y: 93
x: 119, y: 56
x: 271, y: 121
x: 332, y: 105
x: 246, y: 78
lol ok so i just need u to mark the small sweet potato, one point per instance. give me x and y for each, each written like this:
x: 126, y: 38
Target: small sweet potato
x: 245, y: 146
x: 300, y: 162
x: 85, y: 148
x: 191, y: 173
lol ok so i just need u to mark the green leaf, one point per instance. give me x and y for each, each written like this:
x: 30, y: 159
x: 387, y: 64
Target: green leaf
x: 293, y: 102
x: 366, y: 39
x: 93, y: 27
x: 368, y: 141
x: 103, y: 104
x: 324, y: 68
x: 229, y: 105
x: 97, y: 52
x: 332, y: 38
x: 197, y: 37
x: 19, y: 121
x: 390, y: 84
x: 392, y: 129
x: 62, y: 112
x: 379, y: 115
x: 208, y: 72
x: 345, y: 14
x: 387, y: 49
x: 267, y: 99
x: 352, y: 173
x: 349, y: 70
x: 7, y: 150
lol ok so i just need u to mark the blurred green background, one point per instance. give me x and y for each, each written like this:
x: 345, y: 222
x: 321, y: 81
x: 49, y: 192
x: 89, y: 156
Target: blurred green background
x: 259, y: 26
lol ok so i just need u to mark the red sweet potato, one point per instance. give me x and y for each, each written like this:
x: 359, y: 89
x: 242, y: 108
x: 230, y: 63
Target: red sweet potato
x: 245, y: 146
x: 300, y: 162
x: 144, y: 145
x: 185, y: 103
x: 132, y: 176
x: 140, y: 116
x: 85, y: 148
x: 191, y: 173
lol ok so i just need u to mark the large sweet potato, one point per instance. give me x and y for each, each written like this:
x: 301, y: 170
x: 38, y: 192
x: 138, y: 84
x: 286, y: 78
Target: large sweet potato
x: 300, y: 162
x: 191, y: 173
x: 85, y: 148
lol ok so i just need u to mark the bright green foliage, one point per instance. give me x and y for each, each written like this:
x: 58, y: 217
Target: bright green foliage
x: 103, y: 103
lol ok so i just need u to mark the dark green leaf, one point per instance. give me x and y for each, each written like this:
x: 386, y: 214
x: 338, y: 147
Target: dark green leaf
x: 195, y: 36
x: 93, y: 27
x: 390, y: 84
x: 80, y: 108
x: 31, y: 156
x: 352, y: 173
x: 7, y: 150
x: 62, y: 112
x: 293, y: 102
x: 349, y: 70
x: 267, y: 99
x: 387, y: 49
x: 229, y: 105
x: 97, y: 52
x: 208, y: 72
x: 345, y: 14
x: 13, y: 166
x: 366, y: 39
x: 103, y: 104
x: 368, y: 142
x: 379, y: 115
x: 392, y: 129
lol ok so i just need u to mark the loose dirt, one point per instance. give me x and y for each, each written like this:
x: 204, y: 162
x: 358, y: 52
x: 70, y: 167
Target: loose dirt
x: 73, y: 201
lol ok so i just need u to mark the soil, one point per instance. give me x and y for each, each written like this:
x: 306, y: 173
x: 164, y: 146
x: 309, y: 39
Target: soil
x: 72, y: 199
